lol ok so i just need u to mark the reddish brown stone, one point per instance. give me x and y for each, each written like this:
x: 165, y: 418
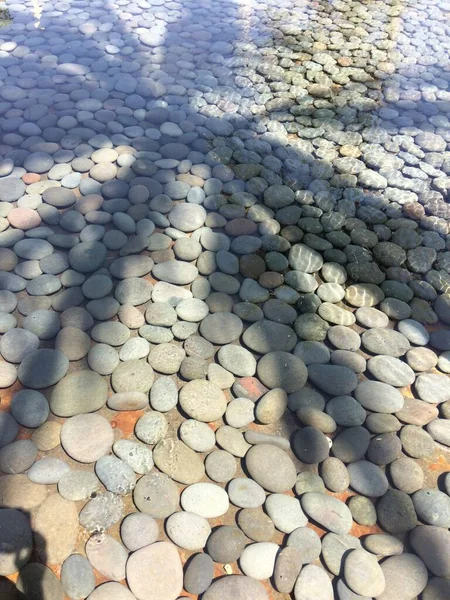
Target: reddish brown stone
x: 252, y: 265
x: 344, y: 61
x: 24, y: 218
x: 417, y: 412
x: 249, y: 387
x: 413, y: 210
x: 29, y: 178
x: 271, y: 280
x: 88, y: 203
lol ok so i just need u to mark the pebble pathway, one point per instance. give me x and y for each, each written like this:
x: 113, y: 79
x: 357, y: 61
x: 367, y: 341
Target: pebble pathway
x: 225, y: 300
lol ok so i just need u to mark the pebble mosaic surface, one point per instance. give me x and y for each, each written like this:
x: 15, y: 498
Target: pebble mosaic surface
x: 225, y: 300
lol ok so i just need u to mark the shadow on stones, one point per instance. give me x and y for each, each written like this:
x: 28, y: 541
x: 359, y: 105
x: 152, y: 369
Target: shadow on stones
x: 35, y: 581
x: 295, y: 135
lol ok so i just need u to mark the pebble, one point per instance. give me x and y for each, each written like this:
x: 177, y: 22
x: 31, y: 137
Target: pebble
x: 77, y: 576
x: 313, y: 581
x: 271, y: 467
x: 102, y: 512
x: 199, y: 574
x: 178, y: 461
x: 86, y: 438
x: 226, y: 544
x: 188, y: 530
x: 405, y: 576
x: 107, y: 556
x: 258, y: 560
x: 329, y: 512
x: 156, y: 495
x: 239, y: 587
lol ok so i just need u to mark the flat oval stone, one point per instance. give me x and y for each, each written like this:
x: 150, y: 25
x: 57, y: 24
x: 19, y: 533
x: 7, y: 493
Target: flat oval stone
x: 188, y: 530
x: 205, y: 499
x: 329, y: 512
x: 17, y: 491
x: 246, y: 493
x: 132, y: 376
x: 238, y: 587
x: 178, y: 461
x: 115, y: 474
x: 270, y: 467
x: 363, y: 574
x: 87, y: 257
x: 379, y: 397
x: 221, y: 328
x: 176, y: 272
x: 156, y: 495
x: 267, y: 336
x: 102, y: 512
x: 367, y: 479
x: 391, y: 370
x: 282, y: 370
x: 78, y: 485
x: 199, y: 574
x: 202, y: 400
x: 48, y: 470
x: 285, y: 512
x: 432, y: 545
x: 16, y: 344
x: 433, y: 388
x: 405, y: 575
x: 18, y: 456
x: 138, y: 530
x: 287, y: 568
x: 313, y: 582
x: 29, y: 408
x: 77, y: 393
x: 86, y: 438
x: 432, y: 507
x: 333, y: 379
x: 43, y: 368
x: 385, y: 341
x: 77, y: 577
x: 107, y: 556
x: 258, y: 560
x: 138, y: 456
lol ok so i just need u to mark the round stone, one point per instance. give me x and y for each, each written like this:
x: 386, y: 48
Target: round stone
x: 16, y: 344
x: 203, y: 401
x: 138, y: 530
x: 77, y: 393
x: 221, y: 328
x: 188, y: 530
x: 77, y: 577
x: 178, y: 461
x: 86, y: 438
x: 282, y: 370
x: 270, y: 467
x: 43, y: 368
x: 220, y: 466
x: 363, y: 574
x: 156, y: 495
x: 29, y: 408
x: 132, y: 376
